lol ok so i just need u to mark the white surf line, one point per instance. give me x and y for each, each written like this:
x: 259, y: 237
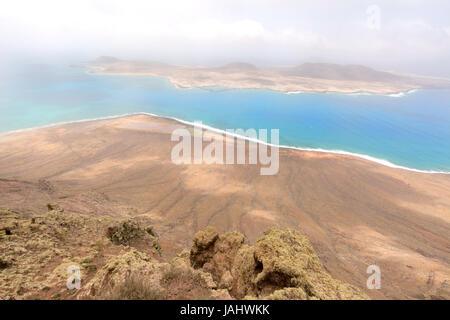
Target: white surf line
x: 55, y: 124
x: 204, y: 126
x: 340, y: 152
x: 361, y: 93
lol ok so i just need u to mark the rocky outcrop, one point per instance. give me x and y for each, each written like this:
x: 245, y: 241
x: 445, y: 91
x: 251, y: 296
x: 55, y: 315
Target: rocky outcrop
x: 35, y: 252
x: 281, y: 265
x: 216, y: 253
x: 121, y: 259
x: 135, y: 275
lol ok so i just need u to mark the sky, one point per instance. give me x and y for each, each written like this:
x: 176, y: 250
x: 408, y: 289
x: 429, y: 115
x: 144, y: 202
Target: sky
x: 410, y: 36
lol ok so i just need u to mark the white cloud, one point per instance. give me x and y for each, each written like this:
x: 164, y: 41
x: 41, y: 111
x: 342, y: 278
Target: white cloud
x: 276, y: 32
x: 447, y: 31
x: 216, y: 29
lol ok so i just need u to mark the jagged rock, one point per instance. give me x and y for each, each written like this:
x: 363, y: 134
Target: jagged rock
x: 281, y: 265
x: 215, y: 253
x: 244, y: 271
x: 203, y: 248
x: 283, y: 259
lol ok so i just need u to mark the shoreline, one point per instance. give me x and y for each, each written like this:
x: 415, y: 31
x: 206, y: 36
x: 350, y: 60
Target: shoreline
x: 399, y: 94
x: 379, y: 161
x: 121, y: 168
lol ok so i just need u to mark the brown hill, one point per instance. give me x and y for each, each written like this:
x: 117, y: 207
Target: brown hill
x: 237, y: 67
x: 313, y: 77
x: 341, y: 72
x: 105, y: 59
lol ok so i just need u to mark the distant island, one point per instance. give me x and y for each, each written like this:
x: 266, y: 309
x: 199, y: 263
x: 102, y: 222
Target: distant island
x: 308, y: 77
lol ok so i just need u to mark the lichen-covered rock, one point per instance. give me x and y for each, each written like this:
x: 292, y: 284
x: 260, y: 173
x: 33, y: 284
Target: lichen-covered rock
x: 216, y: 253
x: 225, y: 250
x: 181, y: 261
x: 36, y: 253
x: 281, y: 260
x: 202, y: 250
x: 244, y: 271
x: 281, y: 265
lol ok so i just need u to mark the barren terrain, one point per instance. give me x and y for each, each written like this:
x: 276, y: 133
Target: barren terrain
x: 354, y: 212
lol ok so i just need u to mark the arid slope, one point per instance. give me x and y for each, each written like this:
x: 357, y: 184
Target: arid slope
x: 355, y: 212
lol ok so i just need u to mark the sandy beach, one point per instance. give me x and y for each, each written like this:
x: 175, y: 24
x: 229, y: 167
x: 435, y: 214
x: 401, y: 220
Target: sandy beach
x: 354, y: 211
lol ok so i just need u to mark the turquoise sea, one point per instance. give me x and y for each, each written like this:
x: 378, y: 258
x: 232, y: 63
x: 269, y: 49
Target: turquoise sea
x: 412, y: 130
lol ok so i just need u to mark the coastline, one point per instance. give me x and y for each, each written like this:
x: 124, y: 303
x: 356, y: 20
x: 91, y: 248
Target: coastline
x: 369, y: 158
x: 359, y: 93
x: 286, y: 89
x: 122, y: 167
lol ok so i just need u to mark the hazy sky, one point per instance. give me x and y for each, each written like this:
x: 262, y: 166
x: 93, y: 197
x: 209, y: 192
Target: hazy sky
x: 404, y: 35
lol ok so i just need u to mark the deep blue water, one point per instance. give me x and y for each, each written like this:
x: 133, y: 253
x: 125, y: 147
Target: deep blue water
x: 411, y: 131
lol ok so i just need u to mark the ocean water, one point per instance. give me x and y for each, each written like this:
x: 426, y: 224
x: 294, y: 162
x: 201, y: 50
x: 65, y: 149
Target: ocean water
x: 410, y: 130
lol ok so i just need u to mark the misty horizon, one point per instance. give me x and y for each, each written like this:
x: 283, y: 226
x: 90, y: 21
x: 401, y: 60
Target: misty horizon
x: 405, y: 36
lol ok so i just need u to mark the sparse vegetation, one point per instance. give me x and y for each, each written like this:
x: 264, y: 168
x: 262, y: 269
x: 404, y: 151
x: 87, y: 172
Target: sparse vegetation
x: 99, y: 246
x: 126, y: 264
x: 125, y: 232
x: 185, y: 284
x: 135, y: 287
